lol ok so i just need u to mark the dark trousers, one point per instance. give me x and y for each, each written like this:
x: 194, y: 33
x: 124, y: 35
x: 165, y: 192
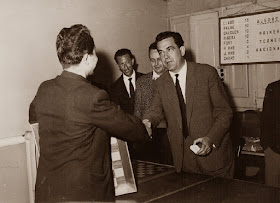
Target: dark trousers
x: 272, y: 168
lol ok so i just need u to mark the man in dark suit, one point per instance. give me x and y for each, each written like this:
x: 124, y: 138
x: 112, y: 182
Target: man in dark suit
x: 192, y: 98
x: 121, y: 91
x: 159, y: 149
x: 270, y: 133
x: 75, y: 119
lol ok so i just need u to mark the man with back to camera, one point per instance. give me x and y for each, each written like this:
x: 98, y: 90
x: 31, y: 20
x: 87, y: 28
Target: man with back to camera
x: 159, y: 149
x: 192, y: 98
x: 76, y: 120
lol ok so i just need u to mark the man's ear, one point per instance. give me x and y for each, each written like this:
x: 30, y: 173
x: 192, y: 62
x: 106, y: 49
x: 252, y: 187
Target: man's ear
x: 85, y: 59
x: 183, y: 50
x: 132, y: 61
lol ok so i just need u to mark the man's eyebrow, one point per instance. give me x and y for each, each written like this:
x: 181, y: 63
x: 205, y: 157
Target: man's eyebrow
x: 166, y: 48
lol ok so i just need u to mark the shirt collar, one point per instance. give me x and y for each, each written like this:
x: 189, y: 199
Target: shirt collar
x: 155, y: 75
x: 132, y: 76
x: 74, y: 76
x: 182, y: 72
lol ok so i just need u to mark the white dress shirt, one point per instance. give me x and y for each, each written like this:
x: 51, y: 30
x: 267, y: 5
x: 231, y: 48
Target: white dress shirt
x: 126, y: 81
x: 182, y: 79
x: 155, y: 75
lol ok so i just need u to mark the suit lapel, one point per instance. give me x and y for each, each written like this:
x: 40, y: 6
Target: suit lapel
x: 137, y: 75
x: 123, y: 87
x: 150, y: 76
x: 190, y: 88
x: 150, y: 80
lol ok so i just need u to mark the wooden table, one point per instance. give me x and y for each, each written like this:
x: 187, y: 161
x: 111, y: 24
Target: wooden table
x: 187, y: 187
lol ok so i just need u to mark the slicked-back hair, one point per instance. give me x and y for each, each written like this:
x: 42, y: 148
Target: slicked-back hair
x: 153, y: 46
x: 72, y: 44
x: 175, y: 35
x: 122, y: 52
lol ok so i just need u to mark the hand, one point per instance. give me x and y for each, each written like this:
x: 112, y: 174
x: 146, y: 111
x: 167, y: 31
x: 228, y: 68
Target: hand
x: 148, y: 126
x: 206, y: 145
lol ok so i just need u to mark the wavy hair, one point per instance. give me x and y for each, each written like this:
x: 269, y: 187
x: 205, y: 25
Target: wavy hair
x: 72, y: 44
x: 175, y: 35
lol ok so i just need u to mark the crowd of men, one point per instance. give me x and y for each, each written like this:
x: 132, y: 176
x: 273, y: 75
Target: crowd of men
x: 176, y: 106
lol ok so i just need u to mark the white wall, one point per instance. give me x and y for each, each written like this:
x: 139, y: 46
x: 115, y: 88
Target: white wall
x: 27, y: 44
x: 13, y: 174
x: 181, y: 7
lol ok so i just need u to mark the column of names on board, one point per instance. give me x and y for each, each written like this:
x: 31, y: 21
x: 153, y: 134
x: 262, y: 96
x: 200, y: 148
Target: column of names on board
x: 250, y: 38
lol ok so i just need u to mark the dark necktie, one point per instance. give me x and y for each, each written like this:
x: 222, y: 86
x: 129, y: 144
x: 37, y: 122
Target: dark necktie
x: 131, y: 89
x: 182, y: 106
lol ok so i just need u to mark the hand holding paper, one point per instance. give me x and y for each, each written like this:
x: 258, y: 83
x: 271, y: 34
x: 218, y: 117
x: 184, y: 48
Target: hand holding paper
x: 205, y: 146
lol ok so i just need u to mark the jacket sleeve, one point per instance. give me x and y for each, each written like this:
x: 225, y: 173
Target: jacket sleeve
x: 155, y: 113
x: 112, y: 95
x: 109, y: 117
x: 138, y: 100
x: 222, y: 112
x: 32, y: 112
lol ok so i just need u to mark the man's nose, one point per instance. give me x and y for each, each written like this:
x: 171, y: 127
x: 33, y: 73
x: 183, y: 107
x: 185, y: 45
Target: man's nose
x: 166, y: 55
x: 125, y: 66
x: 156, y: 62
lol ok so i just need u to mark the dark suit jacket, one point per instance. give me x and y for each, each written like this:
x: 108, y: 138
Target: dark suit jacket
x: 270, y: 127
x: 75, y: 159
x: 208, y: 114
x: 120, y: 96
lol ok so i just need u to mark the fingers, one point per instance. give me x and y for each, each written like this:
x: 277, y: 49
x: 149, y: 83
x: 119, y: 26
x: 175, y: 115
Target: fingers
x: 198, y: 140
x: 205, y: 148
x: 202, y: 150
x: 148, y: 125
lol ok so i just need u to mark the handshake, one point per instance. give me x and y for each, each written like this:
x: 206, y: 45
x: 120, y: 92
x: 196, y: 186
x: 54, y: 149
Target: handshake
x: 148, y: 126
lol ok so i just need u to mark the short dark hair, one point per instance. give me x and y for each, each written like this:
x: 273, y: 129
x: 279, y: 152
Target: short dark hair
x: 122, y: 52
x: 72, y: 44
x: 175, y: 35
x: 153, y: 46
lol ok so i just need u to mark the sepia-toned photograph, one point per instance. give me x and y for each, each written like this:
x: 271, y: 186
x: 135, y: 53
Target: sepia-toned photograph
x: 132, y: 101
